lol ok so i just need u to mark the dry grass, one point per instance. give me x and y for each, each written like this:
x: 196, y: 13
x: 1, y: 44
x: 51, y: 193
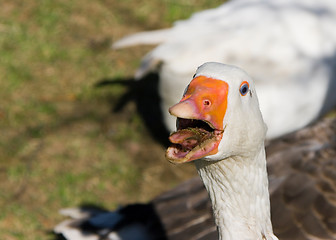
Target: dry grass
x: 60, y: 144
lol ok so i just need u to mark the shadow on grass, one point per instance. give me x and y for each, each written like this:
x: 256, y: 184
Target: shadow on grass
x: 145, y: 94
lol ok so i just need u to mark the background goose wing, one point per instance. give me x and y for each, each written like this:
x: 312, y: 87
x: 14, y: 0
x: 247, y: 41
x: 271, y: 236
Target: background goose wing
x: 302, y: 173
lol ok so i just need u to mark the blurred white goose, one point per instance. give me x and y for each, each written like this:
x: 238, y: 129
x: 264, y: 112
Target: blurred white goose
x: 220, y: 128
x: 288, y: 47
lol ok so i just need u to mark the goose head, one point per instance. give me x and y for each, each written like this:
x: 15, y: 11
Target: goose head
x: 218, y: 116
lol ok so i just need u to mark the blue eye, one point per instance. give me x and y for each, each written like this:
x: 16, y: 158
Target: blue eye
x: 244, y: 88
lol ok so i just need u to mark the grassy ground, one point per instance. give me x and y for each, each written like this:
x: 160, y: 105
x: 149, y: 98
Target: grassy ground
x: 60, y: 144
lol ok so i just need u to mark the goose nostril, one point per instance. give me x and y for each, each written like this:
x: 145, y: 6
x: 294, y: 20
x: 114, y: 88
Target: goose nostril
x: 206, y: 102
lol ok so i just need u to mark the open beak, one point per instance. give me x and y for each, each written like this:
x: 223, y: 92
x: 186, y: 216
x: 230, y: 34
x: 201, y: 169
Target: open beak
x: 200, y: 116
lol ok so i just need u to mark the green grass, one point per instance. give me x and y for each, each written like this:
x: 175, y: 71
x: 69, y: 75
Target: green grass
x: 60, y: 144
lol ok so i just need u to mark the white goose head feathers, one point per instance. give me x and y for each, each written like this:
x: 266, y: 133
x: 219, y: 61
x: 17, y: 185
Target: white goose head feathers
x: 218, y: 116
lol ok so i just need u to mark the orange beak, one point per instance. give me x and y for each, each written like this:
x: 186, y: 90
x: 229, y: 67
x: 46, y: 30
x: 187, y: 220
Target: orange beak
x: 204, y: 100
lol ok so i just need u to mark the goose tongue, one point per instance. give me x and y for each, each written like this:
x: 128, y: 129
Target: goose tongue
x: 189, y: 138
x: 192, y: 143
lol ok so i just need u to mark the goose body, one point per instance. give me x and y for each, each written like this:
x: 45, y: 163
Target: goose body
x: 288, y: 47
x: 181, y: 213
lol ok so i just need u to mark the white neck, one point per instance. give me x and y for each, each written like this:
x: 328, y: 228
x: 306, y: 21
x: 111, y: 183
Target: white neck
x: 238, y: 188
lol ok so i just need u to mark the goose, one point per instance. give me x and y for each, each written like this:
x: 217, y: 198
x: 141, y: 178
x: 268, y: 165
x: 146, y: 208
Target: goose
x: 288, y: 48
x: 301, y: 169
x: 221, y: 129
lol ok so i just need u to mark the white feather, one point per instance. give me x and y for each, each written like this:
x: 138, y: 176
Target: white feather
x: 288, y: 47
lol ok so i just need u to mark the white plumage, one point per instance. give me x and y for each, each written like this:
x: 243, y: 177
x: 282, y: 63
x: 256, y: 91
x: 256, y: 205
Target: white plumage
x: 288, y: 47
